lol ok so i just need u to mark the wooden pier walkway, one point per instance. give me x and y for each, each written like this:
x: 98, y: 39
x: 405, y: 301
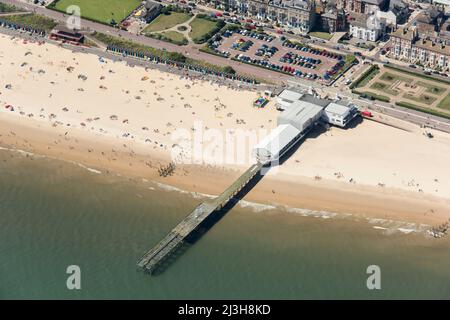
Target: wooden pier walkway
x: 172, y: 241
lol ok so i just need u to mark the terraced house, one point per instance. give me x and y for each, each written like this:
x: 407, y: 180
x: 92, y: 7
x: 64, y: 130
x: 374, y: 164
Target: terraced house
x: 299, y: 15
x: 410, y: 45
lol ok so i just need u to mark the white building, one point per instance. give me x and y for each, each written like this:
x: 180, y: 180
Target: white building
x: 287, y: 97
x: 293, y: 124
x: 273, y: 146
x: 366, y: 27
x: 339, y: 115
x: 301, y: 114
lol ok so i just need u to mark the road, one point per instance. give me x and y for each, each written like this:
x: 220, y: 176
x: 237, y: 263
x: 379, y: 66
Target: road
x: 413, y: 116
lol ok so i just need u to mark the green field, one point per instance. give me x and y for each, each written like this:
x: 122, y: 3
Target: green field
x: 422, y: 98
x: 389, y: 77
x: 174, y: 35
x: 431, y: 88
x: 366, y: 77
x: 379, y: 86
x: 32, y: 20
x: 5, y: 8
x: 201, y: 27
x: 166, y: 21
x: 100, y: 10
x: 321, y: 35
x: 445, y: 103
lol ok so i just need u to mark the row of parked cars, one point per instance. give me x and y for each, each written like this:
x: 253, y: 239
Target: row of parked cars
x: 299, y: 60
x: 267, y: 51
x: 329, y: 73
x: 255, y: 35
x: 276, y: 67
x: 323, y: 53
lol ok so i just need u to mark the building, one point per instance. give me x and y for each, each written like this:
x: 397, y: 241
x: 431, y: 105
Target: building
x: 408, y: 44
x: 339, y: 114
x: 362, y: 6
x: 152, y: 10
x: 302, y: 112
x: 332, y: 20
x: 366, y: 27
x: 299, y: 15
x: 293, y: 124
x: 400, y: 9
x: 61, y: 32
x: 276, y: 144
x: 286, y: 98
x: 301, y: 115
x: 390, y: 19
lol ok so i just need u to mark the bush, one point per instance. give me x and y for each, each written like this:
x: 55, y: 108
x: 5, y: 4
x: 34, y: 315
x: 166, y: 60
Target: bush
x: 373, y: 70
x: 426, y: 110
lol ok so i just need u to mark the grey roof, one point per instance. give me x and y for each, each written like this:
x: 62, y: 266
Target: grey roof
x: 290, y: 95
x: 301, y: 112
x: 317, y: 101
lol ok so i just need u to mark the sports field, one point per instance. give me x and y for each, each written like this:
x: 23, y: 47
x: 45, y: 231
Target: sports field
x: 100, y: 10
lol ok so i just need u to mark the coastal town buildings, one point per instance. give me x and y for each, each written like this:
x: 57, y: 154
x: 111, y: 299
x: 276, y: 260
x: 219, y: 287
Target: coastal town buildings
x: 152, y: 10
x: 366, y: 27
x: 424, y: 41
x: 332, y: 20
x: 300, y: 15
x: 362, y: 6
x: 411, y: 46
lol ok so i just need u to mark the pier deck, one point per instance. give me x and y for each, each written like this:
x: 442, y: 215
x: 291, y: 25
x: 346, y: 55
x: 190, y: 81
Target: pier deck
x: 153, y: 258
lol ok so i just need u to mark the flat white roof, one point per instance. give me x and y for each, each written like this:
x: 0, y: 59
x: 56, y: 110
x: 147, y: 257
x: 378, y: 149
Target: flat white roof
x: 301, y: 111
x: 445, y: 2
x: 337, y: 109
x: 290, y: 95
x: 278, y: 138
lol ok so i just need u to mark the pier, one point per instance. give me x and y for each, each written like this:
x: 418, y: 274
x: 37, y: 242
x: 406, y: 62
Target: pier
x: 177, y: 236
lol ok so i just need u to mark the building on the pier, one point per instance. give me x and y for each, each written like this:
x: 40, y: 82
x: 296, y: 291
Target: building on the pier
x: 339, y: 114
x: 273, y: 146
x: 287, y: 98
x: 301, y: 113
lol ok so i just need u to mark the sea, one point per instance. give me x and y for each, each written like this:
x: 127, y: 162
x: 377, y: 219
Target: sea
x: 56, y: 214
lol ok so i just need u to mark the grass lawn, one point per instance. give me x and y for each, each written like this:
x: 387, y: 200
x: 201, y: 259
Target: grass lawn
x: 379, y: 86
x: 4, y: 8
x: 366, y: 77
x: 322, y: 35
x: 201, y: 27
x: 422, y: 98
x: 163, y: 21
x: 32, y: 20
x: 431, y: 88
x: 426, y: 110
x: 445, y: 103
x: 389, y: 77
x: 100, y: 10
x: 175, y: 37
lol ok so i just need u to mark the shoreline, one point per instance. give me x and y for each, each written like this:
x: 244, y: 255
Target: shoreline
x: 330, y: 196
x: 60, y: 116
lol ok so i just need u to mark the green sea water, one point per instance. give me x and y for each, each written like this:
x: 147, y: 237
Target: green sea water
x: 54, y: 214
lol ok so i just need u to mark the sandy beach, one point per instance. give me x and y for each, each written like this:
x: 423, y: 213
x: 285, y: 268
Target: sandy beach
x: 114, y: 118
